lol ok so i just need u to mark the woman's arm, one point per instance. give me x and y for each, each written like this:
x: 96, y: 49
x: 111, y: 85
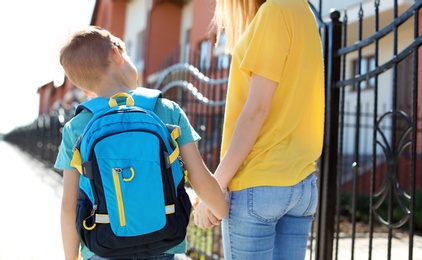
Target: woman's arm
x: 70, y: 237
x: 245, y: 134
x: 248, y: 127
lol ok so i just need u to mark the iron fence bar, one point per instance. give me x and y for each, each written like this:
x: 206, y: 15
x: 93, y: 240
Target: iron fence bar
x: 317, y: 13
x: 341, y: 135
x: 374, y: 136
x: 323, y: 34
x: 414, y: 133
x: 393, y: 169
x: 326, y: 213
x: 320, y: 9
x: 356, y: 163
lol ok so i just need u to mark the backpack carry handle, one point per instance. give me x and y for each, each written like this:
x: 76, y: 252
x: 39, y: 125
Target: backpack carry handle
x: 129, y: 99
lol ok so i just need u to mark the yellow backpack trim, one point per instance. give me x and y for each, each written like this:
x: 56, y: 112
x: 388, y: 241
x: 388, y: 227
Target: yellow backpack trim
x: 76, y: 160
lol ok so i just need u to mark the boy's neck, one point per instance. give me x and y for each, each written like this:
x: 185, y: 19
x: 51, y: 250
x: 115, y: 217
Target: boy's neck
x: 110, y: 86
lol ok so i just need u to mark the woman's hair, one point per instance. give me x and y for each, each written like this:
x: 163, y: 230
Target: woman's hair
x: 234, y: 16
x: 85, y: 57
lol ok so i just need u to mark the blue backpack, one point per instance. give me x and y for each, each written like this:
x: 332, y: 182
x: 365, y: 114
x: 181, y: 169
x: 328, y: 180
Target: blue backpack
x: 132, y: 199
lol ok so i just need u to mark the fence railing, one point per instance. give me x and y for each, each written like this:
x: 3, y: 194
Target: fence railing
x: 41, y: 138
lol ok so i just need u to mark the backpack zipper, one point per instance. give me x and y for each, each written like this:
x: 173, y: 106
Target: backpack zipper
x: 116, y: 172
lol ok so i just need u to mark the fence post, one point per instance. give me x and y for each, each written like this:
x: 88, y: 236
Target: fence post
x: 328, y: 170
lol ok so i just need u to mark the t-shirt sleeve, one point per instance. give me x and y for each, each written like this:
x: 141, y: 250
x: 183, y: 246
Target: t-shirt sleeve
x: 268, y: 43
x: 171, y: 113
x: 65, y: 151
x: 72, y: 130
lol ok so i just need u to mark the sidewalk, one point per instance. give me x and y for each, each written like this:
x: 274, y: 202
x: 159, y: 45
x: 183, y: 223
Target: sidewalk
x: 30, y: 197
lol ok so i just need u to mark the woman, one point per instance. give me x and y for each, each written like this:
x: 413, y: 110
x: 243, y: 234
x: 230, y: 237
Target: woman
x: 273, y: 128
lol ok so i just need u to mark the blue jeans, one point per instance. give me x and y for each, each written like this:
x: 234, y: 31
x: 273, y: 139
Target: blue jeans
x: 158, y: 257
x: 270, y: 222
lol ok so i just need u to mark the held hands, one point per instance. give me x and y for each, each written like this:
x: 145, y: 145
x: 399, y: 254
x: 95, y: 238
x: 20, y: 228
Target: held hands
x: 203, y: 217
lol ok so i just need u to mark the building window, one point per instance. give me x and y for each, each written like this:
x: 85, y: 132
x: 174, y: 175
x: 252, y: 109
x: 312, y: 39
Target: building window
x: 367, y: 64
x: 186, y: 47
x: 140, y: 46
x: 222, y: 41
x: 223, y: 59
x: 205, y: 55
x: 138, y: 55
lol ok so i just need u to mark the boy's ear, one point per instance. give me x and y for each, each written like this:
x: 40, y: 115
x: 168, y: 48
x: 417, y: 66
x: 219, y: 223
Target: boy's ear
x: 88, y: 93
x: 116, y: 56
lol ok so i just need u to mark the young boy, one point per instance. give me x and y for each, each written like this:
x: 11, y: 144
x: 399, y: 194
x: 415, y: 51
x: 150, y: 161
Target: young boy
x: 96, y: 62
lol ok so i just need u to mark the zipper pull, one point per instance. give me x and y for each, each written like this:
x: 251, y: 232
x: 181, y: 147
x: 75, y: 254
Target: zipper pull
x: 94, y: 209
x: 117, y: 170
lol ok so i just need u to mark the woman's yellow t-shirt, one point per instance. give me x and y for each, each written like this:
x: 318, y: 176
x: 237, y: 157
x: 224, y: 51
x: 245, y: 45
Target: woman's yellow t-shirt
x: 282, y: 44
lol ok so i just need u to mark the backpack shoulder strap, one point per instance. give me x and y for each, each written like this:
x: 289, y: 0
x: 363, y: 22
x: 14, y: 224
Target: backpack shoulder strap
x: 146, y: 97
x: 94, y: 105
x: 143, y: 97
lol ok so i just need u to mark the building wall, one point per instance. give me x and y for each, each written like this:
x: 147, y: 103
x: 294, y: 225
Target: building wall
x: 110, y: 15
x: 163, y: 34
x: 203, y: 11
x: 185, y: 32
x: 170, y: 29
x: 53, y: 98
x: 136, y: 28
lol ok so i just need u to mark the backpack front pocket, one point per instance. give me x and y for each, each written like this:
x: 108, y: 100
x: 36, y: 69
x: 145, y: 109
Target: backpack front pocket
x: 133, y: 187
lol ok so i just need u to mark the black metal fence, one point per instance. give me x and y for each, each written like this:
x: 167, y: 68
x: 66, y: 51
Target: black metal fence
x: 41, y: 139
x: 371, y: 160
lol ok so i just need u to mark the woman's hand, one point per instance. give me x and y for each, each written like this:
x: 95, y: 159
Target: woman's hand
x: 203, y: 217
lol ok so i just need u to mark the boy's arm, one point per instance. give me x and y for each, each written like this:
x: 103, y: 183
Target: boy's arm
x: 203, y: 182
x: 70, y: 237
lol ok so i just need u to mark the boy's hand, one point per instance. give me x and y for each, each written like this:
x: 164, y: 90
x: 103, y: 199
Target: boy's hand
x: 196, y: 202
x: 203, y: 217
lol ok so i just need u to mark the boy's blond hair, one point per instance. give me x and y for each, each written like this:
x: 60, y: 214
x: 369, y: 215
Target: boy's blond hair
x: 85, y: 57
x: 234, y: 16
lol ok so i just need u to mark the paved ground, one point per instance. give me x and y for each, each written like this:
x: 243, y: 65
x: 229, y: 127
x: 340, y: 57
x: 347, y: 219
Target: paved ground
x: 30, y: 208
x: 30, y: 197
